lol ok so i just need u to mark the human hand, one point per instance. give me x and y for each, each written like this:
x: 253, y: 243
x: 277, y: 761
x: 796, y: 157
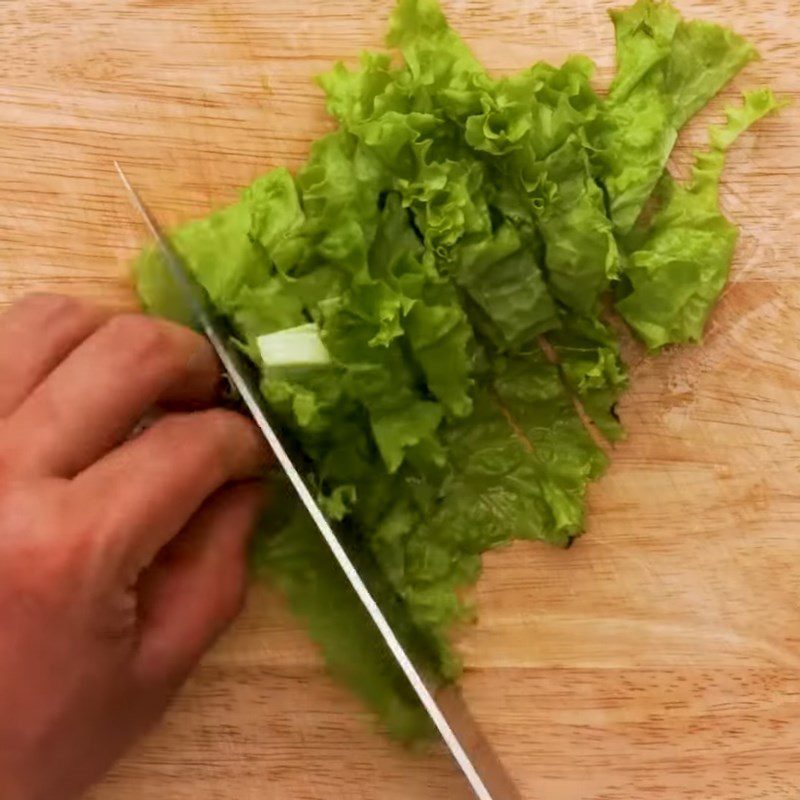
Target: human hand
x: 121, y: 559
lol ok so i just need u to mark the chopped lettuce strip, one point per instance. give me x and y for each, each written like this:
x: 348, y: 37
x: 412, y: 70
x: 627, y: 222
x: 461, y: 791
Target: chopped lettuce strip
x: 396, y: 292
x: 518, y: 469
x: 681, y: 260
x: 588, y: 353
x: 581, y: 252
x: 667, y: 70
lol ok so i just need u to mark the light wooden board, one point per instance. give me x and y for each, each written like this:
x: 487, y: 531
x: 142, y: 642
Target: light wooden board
x: 660, y: 657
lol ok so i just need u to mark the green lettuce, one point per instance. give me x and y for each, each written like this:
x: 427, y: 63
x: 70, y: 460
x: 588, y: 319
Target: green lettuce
x: 589, y: 354
x: 680, y: 261
x: 428, y: 302
x: 667, y: 70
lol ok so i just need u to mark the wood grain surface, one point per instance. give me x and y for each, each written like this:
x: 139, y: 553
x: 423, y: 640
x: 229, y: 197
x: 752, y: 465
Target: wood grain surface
x: 657, y: 659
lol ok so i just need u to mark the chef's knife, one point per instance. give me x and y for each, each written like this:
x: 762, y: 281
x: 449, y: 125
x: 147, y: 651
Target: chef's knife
x: 241, y: 376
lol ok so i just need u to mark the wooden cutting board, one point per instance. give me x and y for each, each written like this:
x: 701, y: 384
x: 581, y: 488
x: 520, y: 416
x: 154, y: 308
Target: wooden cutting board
x: 660, y: 657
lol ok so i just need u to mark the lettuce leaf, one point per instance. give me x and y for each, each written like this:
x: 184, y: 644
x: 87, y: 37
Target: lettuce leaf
x: 588, y: 352
x: 298, y: 560
x: 667, y: 70
x: 681, y: 261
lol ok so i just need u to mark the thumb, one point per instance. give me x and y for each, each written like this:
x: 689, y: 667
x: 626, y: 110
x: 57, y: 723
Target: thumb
x: 196, y: 586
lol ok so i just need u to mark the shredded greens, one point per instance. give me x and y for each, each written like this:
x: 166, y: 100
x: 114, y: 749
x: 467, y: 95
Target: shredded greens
x: 427, y: 301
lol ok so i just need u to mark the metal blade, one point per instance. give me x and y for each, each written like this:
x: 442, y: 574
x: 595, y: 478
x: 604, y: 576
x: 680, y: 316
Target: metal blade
x: 241, y: 378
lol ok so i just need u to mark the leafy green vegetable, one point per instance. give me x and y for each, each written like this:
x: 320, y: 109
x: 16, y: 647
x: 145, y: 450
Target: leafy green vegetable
x: 681, y: 259
x: 591, y: 364
x: 426, y: 300
x: 667, y: 70
x: 298, y: 559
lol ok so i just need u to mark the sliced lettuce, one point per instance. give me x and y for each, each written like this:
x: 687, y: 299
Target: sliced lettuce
x: 296, y: 558
x: 667, y: 70
x: 398, y: 290
x: 588, y: 353
x: 501, y: 275
x: 681, y: 260
x: 581, y: 255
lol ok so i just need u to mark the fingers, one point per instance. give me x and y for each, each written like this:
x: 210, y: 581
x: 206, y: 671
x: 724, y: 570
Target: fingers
x: 196, y: 586
x: 95, y: 397
x: 144, y: 492
x: 36, y: 334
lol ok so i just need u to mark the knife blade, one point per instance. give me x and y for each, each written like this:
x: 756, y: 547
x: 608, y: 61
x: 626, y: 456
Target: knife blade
x: 241, y: 376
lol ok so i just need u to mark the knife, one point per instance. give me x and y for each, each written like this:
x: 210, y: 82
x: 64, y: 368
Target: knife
x: 243, y: 379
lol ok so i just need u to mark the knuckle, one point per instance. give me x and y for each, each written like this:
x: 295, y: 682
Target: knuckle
x: 214, y: 442
x: 144, y: 339
x: 228, y: 434
x: 7, y: 460
x: 224, y: 426
x: 30, y: 517
x: 225, y: 423
x: 20, y: 454
x: 232, y: 597
x: 49, y: 305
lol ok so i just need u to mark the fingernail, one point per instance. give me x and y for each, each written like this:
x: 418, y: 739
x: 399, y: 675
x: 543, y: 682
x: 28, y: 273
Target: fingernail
x: 227, y: 392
